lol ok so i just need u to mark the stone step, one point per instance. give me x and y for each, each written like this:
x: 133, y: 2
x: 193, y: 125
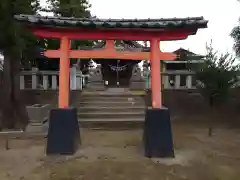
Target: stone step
x: 116, y: 99
x: 95, y: 109
x: 113, y: 96
x: 117, y: 90
x: 104, y: 93
x: 111, y: 124
x: 110, y: 104
x: 111, y: 115
x: 111, y: 109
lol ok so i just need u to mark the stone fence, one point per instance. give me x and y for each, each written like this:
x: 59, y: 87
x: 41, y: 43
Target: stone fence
x: 48, y: 80
x: 180, y: 80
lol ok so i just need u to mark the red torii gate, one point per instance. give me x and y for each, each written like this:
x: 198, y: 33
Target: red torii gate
x: 108, y: 53
x: 153, y: 30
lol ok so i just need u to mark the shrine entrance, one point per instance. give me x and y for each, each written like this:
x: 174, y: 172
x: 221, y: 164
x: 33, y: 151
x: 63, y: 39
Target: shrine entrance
x: 117, y: 74
x: 63, y: 135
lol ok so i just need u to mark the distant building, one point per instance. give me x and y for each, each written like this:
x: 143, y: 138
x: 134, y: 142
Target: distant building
x: 181, y: 65
x: 184, y: 58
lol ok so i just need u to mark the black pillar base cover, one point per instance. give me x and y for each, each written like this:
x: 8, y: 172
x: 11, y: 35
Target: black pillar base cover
x: 157, y: 135
x: 63, y: 132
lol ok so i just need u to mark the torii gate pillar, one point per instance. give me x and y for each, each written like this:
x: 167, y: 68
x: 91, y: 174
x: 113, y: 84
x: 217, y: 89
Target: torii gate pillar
x: 157, y: 129
x: 155, y: 73
x: 64, y: 73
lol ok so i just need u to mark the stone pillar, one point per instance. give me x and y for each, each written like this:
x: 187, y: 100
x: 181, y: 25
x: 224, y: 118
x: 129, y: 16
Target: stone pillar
x: 96, y: 81
x: 73, y: 78
x: 34, y: 78
x: 137, y: 80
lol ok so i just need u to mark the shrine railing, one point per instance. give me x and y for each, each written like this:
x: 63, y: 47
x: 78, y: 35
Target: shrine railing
x: 182, y: 80
x: 179, y: 80
x: 48, y: 80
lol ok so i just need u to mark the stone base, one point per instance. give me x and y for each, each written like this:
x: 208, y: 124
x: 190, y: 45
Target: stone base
x: 97, y: 86
x: 37, y: 113
x: 117, y: 90
x: 63, y: 132
x: 37, y: 128
x: 157, y: 135
x: 137, y: 85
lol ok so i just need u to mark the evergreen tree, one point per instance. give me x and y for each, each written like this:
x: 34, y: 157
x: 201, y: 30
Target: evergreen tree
x: 235, y: 34
x: 69, y: 8
x: 15, y: 41
x: 216, y: 76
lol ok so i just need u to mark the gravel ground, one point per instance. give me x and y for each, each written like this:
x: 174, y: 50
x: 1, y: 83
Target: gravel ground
x: 119, y: 155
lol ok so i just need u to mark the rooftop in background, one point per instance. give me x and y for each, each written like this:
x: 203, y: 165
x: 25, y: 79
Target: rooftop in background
x: 186, y: 56
x: 183, y: 54
x: 150, y: 24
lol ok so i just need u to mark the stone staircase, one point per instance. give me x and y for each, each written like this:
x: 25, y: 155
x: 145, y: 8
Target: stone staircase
x: 114, y: 110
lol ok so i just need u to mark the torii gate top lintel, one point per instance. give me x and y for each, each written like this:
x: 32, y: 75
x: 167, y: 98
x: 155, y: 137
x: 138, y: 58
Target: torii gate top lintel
x: 164, y: 29
x: 153, y: 30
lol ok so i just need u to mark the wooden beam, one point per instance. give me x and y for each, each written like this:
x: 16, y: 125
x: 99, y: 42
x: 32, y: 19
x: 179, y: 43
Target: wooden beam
x: 110, y: 45
x: 155, y: 74
x: 111, y: 54
x: 52, y: 53
x: 64, y: 73
x: 138, y: 35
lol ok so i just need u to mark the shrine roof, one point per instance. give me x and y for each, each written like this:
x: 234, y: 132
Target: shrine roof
x: 183, y: 53
x: 191, y: 22
x: 125, y: 45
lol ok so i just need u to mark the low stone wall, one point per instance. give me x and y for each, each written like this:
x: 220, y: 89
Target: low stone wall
x: 47, y: 97
x: 191, y: 105
x: 183, y: 104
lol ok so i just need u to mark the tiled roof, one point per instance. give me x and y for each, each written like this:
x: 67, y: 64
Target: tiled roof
x: 184, y: 55
x: 126, y: 45
x: 194, y: 22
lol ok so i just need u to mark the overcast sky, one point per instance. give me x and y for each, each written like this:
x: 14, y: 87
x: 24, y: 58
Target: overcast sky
x: 223, y: 15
